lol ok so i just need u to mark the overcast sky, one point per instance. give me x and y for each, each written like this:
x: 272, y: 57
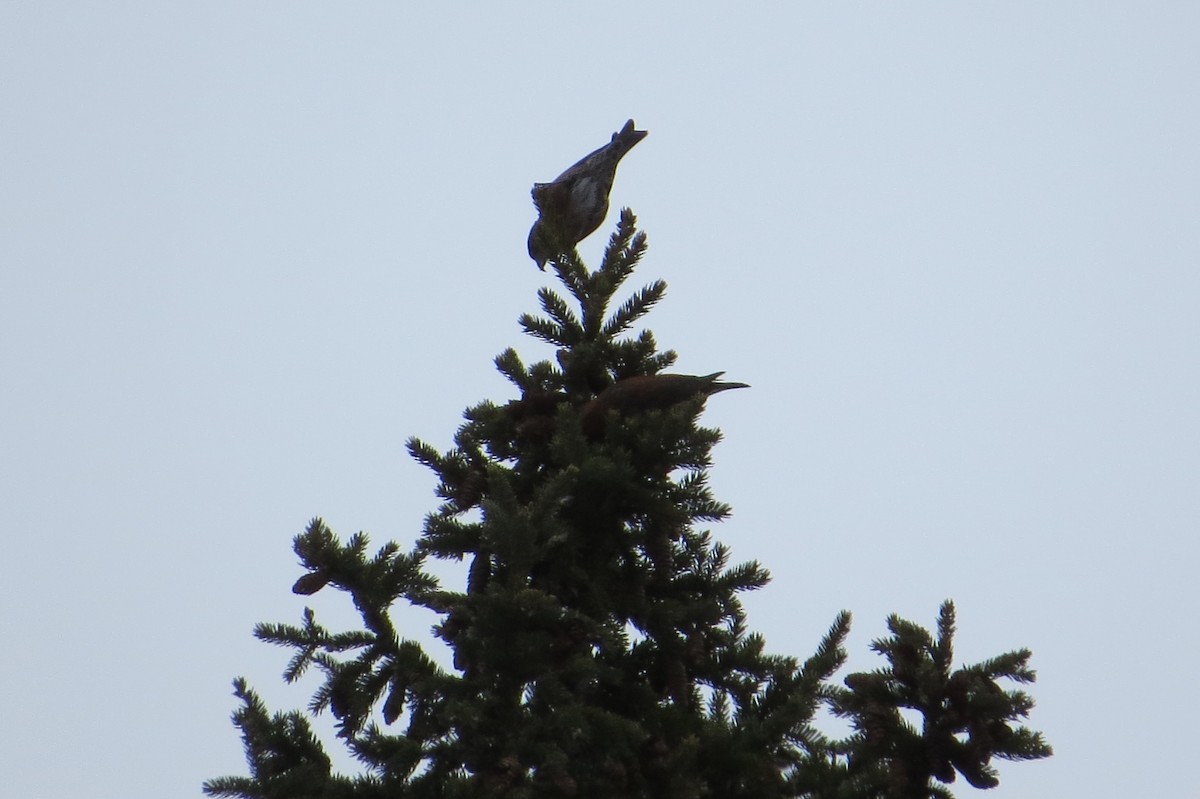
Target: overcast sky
x: 247, y: 249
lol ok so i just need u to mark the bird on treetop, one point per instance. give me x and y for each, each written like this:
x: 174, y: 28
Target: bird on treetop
x: 572, y: 206
x: 646, y: 393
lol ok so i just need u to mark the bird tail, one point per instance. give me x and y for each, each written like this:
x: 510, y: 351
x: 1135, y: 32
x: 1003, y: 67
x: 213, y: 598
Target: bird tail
x: 624, y: 139
x: 715, y: 385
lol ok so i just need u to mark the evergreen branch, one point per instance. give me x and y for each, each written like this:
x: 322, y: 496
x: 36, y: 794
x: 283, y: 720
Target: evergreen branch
x: 308, y: 640
x: 637, y: 306
x: 625, y: 249
x: 545, y: 330
x: 401, y: 754
x: 830, y: 655
x: 562, y: 314
x: 966, y: 714
x: 286, y: 759
x: 449, y: 538
x: 595, y: 305
x: 748, y: 576
x: 1025, y: 744
x: 425, y: 454
x: 943, y: 649
x: 572, y: 273
x: 596, y: 291
x: 545, y: 376
x: 1011, y: 665
x: 661, y: 361
x: 510, y: 365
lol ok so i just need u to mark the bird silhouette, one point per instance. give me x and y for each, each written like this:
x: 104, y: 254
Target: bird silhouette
x: 646, y: 393
x: 573, y: 205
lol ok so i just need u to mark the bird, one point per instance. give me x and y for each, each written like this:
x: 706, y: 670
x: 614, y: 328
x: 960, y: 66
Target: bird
x: 646, y: 393
x: 573, y: 205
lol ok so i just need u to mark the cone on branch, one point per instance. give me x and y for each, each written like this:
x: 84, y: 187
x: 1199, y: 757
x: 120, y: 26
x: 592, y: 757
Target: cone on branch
x: 310, y: 583
x: 574, y: 204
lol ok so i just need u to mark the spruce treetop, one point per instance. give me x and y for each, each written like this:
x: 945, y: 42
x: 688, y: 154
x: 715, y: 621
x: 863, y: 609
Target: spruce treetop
x: 598, y: 646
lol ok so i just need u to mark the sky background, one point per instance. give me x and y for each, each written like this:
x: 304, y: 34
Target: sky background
x: 247, y: 250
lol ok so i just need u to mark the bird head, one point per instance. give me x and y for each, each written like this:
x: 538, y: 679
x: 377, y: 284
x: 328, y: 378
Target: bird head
x: 541, y: 247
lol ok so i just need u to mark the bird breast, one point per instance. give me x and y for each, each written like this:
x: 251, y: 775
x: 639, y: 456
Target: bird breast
x: 590, y: 197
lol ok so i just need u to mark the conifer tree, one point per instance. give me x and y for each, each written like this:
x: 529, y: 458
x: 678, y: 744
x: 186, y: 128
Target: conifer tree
x: 600, y: 648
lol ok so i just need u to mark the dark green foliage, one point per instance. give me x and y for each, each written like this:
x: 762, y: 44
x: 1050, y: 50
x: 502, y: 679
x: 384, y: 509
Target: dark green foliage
x: 599, y: 647
x: 967, y: 718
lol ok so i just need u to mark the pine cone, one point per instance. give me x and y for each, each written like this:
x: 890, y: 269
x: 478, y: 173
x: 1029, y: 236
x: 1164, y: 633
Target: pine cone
x: 310, y: 583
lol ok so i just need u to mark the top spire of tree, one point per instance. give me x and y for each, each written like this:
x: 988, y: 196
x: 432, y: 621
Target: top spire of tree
x: 599, y: 647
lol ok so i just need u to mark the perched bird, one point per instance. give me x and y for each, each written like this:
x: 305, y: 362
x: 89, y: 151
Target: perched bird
x: 647, y: 393
x: 576, y: 202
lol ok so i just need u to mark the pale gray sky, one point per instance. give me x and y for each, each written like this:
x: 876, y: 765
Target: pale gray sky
x: 247, y: 249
